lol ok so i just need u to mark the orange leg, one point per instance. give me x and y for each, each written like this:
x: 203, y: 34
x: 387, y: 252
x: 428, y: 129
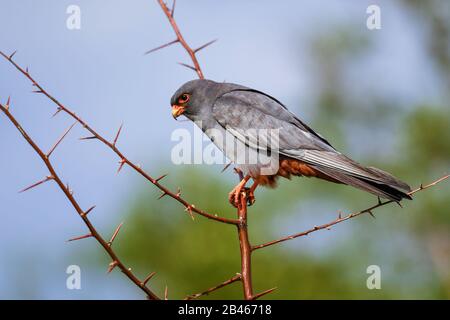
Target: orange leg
x: 236, y: 193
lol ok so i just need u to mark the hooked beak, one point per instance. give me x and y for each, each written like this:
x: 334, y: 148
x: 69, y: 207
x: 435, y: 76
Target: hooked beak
x: 177, y: 111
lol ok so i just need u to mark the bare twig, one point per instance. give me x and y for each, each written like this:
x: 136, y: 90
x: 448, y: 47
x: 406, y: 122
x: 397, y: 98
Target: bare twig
x: 93, y: 231
x: 259, y: 295
x: 113, y: 147
x: 233, y: 279
x: 341, y: 218
x: 191, y: 52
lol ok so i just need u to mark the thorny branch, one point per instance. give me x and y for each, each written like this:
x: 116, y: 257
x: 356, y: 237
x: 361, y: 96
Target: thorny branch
x: 180, y: 39
x: 241, y: 222
x: 233, y: 279
x: 112, y: 145
x: 245, y: 247
x: 116, y: 262
x: 242, y: 228
x: 341, y: 218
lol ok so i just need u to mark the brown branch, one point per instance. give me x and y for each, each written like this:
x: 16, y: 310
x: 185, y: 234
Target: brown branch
x: 93, y: 232
x: 180, y: 39
x: 245, y: 276
x: 245, y: 249
x: 341, y: 218
x: 113, y: 147
x: 233, y: 279
x: 244, y: 244
x: 259, y: 295
x: 149, y: 277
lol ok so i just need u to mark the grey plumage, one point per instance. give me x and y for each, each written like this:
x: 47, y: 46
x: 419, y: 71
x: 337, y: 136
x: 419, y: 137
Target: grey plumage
x: 235, y: 109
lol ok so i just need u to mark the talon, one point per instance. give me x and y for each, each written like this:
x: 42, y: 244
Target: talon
x: 231, y: 198
x: 234, y: 197
x: 250, y: 196
x: 237, y: 196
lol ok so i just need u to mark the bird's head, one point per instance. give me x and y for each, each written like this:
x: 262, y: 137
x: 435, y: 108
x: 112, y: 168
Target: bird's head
x: 193, y: 98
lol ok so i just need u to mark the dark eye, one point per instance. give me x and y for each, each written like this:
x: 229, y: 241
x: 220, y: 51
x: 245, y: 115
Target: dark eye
x: 183, y: 98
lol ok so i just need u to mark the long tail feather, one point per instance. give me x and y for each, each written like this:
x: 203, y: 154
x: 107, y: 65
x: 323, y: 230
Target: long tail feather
x: 387, y: 187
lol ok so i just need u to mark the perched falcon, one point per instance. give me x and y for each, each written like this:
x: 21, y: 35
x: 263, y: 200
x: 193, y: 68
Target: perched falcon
x: 230, y: 110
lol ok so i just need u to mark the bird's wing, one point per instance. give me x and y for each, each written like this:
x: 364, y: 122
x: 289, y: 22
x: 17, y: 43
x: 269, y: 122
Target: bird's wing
x: 240, y: 112
x: 271, y: 106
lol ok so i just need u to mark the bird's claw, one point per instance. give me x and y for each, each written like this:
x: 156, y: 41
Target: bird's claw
x: 250, y: 197
x: 234, y: 197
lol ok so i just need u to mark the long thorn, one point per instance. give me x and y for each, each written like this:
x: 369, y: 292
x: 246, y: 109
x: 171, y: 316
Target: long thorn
x: 12, y: 55
x: 187, y: 66
x: 173, y: 8
x: 36, y: 184
x: 161, y: 177
x: 259, y: 295
x: 188, y: 209
x: 226, y: 167
x: 88, y: 211
x: 60, y: 139
x: 205, y: 45
x: 88, y: 138
x: 151, y: 275
x: 8, y: 103
x: 112, y: 265
x: 166, y: 293
x: 162, y: 46
x: 117, y: 135
x: 235, y: 278
x: 163, y: 195
x: 89, y: 235
x: 116, y: 232
x: 121, y: 164
x: 58, y: 110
